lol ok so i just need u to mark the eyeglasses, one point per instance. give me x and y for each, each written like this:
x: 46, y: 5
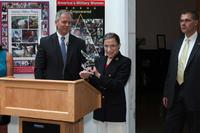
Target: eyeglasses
x: 109, y: 46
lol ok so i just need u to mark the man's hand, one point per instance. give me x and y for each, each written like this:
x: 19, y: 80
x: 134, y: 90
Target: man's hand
x: 165, y: 102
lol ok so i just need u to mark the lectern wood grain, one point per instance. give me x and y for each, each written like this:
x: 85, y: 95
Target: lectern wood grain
x: 65, y: 101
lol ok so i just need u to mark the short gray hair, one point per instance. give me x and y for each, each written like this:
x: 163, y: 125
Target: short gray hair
x: 60, y: 12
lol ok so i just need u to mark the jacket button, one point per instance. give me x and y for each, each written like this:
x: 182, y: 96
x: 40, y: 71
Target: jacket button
x: 109, y: 75
x: 103, y: 97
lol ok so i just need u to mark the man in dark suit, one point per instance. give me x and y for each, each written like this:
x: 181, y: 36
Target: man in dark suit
x: 182, y: 86
x: 50, y: 62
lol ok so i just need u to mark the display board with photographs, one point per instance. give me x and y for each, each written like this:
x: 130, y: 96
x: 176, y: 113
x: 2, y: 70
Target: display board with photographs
x: 88, y: 21
x: 22, y: 26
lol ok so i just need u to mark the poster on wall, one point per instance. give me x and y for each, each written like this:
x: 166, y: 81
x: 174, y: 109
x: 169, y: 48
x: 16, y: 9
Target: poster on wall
x: 23, y: 24
x: 88, y: 21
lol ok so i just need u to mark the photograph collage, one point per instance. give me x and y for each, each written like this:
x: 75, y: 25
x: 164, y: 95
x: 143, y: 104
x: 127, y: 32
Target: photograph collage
x: 23, y: 24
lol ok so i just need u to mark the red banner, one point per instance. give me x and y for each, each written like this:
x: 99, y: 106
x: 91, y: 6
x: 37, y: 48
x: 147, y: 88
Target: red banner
x: 88, y: 21
x: 80, y: 3
x: 24, y: 69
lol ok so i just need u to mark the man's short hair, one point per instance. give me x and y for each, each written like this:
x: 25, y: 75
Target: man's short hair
x: 195, y: 15
x: 60, y: 12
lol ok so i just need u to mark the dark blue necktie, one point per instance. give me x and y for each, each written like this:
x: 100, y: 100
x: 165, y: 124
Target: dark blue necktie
x: 63, y: 49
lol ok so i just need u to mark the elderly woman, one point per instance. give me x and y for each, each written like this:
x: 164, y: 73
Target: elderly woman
x: 6, y: 70
x: 110, y: 76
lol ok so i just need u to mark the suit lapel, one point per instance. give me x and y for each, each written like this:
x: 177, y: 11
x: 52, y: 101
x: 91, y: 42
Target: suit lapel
x: 178, y: 48
x: 69, y: 49
x: 194, y: 50
x: 112, y: 66
x: 56, y: 45
x: 102, y: 63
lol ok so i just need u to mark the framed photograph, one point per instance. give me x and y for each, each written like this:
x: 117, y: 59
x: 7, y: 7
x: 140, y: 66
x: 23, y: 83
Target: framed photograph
x: 22, y: 25
x: 161, y: 41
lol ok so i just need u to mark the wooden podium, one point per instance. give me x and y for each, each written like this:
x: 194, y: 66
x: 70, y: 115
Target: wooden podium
x: 49, y: 101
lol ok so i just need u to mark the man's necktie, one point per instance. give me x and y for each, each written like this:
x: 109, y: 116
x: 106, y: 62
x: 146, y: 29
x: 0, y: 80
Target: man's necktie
x: 182, y: 62
x: 63, y: 49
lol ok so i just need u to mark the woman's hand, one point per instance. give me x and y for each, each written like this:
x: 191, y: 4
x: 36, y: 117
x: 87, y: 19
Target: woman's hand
x: 85, y: 74
x: 95, y: 72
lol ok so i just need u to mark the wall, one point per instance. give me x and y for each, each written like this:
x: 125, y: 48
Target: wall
x: 120, y: 18
x: 159, y: 17
x: 153, y: 17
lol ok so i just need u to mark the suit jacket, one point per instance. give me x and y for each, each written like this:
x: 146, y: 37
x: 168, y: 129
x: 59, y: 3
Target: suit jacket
x: 111, y: 85
x: 49, y: 62
x: 191, y: 86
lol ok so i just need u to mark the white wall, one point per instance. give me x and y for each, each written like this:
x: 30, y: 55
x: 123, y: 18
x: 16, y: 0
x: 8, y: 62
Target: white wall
x: 131, y: 53
x: 119, y: 18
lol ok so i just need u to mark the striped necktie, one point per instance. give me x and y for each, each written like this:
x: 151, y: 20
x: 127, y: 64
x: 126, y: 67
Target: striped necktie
x: 63, y: 49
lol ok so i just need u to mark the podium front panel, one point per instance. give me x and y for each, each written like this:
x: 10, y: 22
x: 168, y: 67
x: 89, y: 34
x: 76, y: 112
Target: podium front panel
x: 48, y: 99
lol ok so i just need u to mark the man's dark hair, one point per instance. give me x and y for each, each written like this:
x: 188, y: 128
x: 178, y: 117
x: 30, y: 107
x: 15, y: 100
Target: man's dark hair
x: 195, y: 15
x: 112, y: 36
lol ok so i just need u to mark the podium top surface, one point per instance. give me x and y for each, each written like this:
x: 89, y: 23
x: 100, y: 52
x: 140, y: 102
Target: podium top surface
x: 41, y: 80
